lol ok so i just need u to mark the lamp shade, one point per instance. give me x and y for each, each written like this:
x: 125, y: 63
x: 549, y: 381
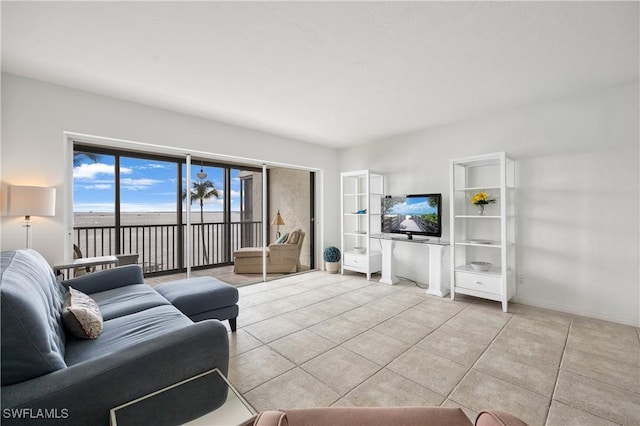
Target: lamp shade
x: 31, y: 201
x: 277, y: 220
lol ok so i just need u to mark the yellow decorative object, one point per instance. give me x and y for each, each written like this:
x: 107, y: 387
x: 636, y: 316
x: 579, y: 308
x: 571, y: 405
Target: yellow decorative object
x: 482, y: 198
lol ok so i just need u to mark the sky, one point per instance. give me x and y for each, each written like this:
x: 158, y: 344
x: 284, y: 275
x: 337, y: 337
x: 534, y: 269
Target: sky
x: 146, y: 186
x: 413, y: 206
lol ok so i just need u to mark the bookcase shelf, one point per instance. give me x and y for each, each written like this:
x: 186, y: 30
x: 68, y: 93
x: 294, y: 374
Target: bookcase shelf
x: 489, y: 237
x: 361, y: 191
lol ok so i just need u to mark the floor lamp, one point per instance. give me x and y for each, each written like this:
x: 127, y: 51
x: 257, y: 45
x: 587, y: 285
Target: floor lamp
x: 277, y: 221
x: 30, y: 201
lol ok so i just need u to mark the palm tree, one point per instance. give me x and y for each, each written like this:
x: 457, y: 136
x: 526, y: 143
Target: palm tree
x: 202, y: 190
x: 79, y: 156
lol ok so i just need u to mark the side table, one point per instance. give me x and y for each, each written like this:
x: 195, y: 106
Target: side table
x: 235, y: 410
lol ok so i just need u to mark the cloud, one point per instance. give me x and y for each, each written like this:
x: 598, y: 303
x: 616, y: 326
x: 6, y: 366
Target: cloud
x: 154, y: 166
x: 131, y: 184
x: 91, y: 170
x: 99, y: 186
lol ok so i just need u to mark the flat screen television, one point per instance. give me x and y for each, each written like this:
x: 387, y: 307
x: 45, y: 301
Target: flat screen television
x: 418, y: 214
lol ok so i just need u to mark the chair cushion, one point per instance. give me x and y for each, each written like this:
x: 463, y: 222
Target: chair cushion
x: 294, y: 236
x: 33, y: 338
x: 81, y: 315
x: 249, y: 252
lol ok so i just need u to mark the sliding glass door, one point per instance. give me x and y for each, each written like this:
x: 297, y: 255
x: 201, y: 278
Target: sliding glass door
x: 132, y: 203
x: 126, y: 204
x: 145, y: 207
x: 94, y: 214
x: 246, y: 208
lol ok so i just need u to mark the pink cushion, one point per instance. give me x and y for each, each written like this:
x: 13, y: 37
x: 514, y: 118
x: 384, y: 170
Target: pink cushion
x: 497, y: 418
x: 370, y: 416
x: 272, y: 418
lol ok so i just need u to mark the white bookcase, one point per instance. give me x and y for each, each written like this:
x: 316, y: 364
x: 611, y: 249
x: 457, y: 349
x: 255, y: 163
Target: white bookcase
x: 483, y: 238
x: 361, y: 208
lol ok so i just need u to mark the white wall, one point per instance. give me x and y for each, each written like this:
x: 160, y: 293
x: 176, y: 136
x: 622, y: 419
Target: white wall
x: 35, y: 115
x: 578, y: 194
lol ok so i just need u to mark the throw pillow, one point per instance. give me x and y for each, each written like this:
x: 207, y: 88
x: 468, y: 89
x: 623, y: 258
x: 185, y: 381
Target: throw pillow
x: 81, y: 315
x: 282, y: 239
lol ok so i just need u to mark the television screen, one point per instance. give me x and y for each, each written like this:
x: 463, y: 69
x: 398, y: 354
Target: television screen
x: 419, y: 214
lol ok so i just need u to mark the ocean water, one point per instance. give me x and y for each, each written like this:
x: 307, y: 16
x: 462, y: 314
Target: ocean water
x: 82, y: 219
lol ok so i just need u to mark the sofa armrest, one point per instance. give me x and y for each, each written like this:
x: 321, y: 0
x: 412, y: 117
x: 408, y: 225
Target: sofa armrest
x: 107, y: 279
x: 88, y: 390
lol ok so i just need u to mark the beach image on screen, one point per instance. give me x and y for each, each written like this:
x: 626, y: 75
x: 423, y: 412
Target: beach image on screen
x: 411, y: 214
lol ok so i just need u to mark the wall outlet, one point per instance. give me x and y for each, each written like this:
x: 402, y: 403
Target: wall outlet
x: 520, y: 279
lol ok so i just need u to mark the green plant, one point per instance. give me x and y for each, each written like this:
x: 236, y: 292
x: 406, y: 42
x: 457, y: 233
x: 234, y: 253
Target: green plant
x: 331, y: 254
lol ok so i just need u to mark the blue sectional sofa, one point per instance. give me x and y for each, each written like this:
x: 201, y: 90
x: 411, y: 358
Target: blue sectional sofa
x: 52, y: 377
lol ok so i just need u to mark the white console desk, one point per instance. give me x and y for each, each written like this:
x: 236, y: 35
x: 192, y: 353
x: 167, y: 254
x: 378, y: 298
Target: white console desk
x: 436, y: 254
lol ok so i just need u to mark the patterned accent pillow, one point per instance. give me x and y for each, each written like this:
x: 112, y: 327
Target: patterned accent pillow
x: 282, y: 239
x: 81, y: 315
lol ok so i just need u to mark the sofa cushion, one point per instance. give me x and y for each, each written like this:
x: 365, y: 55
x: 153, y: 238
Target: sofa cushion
x: 125, y: 332
x: 81, y: 315
x: 198, y: 294
x: 33, y: 338
x: 127, y: 300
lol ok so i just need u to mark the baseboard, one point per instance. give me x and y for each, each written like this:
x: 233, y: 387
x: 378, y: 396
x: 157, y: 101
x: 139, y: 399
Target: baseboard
x: 574, y: 311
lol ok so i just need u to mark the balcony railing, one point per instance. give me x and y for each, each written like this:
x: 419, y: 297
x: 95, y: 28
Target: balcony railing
x: 159, y: 247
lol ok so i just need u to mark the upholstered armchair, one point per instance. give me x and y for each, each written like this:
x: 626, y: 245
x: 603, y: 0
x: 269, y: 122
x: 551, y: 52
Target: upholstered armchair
x: 283, y: 257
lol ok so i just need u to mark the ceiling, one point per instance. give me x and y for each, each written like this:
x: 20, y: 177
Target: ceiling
x: 331, y: 73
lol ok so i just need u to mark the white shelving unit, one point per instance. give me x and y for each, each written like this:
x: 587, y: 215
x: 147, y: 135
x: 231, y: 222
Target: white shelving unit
x: 485, y: 238
x: 361, y: 209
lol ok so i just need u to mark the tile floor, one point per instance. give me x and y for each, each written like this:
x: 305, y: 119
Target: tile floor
x: 330, y: 340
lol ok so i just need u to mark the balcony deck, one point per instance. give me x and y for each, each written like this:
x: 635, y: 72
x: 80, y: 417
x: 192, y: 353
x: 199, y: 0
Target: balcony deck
x: 156, y: 248
x: 223, y: 273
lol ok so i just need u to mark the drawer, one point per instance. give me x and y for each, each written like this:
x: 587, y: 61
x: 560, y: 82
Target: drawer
x: 479, y: 282
x: 356, y: 260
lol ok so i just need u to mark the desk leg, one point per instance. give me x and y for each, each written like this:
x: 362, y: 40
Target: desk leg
x: 387, y: 262
x: 436, y: 254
